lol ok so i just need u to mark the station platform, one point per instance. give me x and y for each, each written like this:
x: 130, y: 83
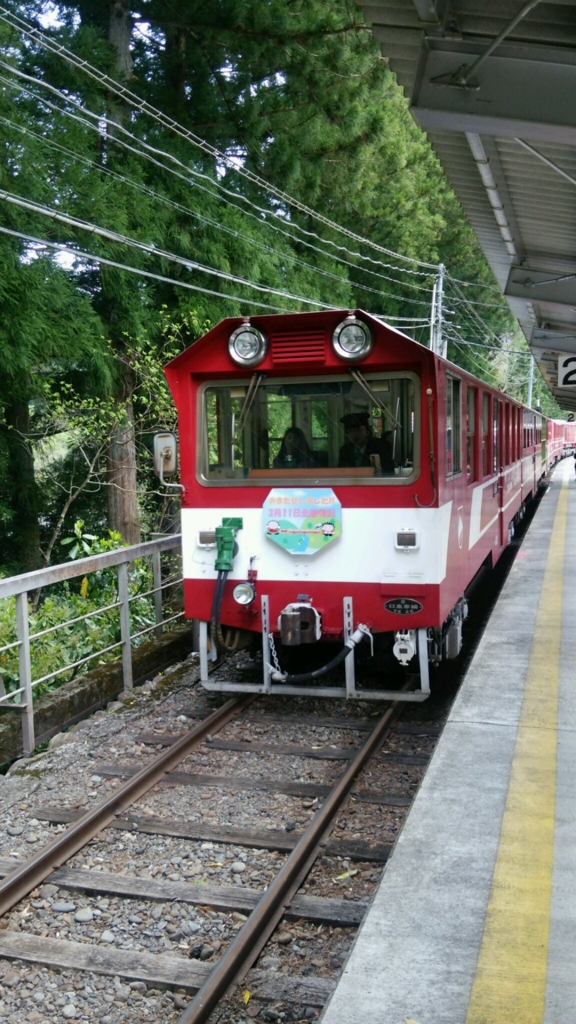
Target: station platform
x: 475, y: 918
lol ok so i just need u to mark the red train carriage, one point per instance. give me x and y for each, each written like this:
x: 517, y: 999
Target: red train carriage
x: 569, y: 438
x: 556, y: 441
x: 341, y: 481
x: 561, y: 440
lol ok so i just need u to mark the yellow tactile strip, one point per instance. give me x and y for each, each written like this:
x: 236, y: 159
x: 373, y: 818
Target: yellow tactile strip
x: 510, y: 982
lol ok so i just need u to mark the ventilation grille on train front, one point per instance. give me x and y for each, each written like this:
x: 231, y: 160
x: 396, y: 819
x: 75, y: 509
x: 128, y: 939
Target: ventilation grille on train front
x: 298, y: 347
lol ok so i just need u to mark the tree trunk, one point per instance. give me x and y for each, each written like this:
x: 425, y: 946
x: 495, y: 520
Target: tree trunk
x: 123, y: 510
x: 119, y: 36
x: 176, y: 66
x: 24, y: 497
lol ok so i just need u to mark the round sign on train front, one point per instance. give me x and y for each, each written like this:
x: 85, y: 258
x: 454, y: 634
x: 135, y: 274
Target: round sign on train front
x: 302, y: 520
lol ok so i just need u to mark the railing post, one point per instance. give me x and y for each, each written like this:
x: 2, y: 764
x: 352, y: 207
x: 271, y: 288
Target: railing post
x: 125, y: 625
x: 25, y: 674
x: 157, y: 576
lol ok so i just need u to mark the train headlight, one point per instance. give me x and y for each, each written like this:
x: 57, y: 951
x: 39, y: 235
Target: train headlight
x: 352, y: 339
x: 247, y: 345
x: 244, y: 593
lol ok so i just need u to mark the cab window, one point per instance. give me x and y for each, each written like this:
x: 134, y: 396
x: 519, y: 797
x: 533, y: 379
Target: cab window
x: 311, y: 428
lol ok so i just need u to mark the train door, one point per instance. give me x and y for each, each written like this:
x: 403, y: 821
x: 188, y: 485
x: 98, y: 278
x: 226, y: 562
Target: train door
x: 498, y: 428
x: 534, y: 479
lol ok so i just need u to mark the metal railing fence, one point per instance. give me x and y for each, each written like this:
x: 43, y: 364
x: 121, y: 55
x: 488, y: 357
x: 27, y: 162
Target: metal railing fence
x: 31, y: 582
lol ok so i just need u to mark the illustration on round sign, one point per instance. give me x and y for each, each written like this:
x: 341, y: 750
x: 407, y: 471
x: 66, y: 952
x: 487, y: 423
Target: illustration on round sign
x: 403, y: 606
x: 302, y: 520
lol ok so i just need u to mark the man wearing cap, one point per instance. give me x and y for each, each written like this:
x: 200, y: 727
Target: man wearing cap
x: 361, y: 444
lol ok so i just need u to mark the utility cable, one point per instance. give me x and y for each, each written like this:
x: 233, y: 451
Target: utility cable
x: 474, y: 284
x: 190, y: 172
x: 151, y: 250
x: 494, y: 348
x: 111, y: 85
x: 476, y: 316
x: 485, y: 370
x: 283, y: 254
x: 80, y: 254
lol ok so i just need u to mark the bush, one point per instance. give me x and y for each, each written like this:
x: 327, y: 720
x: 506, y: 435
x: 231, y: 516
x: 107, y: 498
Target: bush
x: 63, y: 602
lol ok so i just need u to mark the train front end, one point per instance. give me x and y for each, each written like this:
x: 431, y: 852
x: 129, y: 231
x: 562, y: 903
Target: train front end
x: 310, y: 517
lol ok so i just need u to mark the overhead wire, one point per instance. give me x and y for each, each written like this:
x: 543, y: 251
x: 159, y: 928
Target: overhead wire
x: 80, y: 254
x: 477, y: 329
x: 473, y: 302
x: 147, y: 154
x: 467, y: 307
x: 189, y: 264
x: 475, y: 284
x: 495, y: 348
x: 141, y: 105
x: 472, y: 331
x: 202, y: 218
x: 456, y: 340
x: 476, y: 316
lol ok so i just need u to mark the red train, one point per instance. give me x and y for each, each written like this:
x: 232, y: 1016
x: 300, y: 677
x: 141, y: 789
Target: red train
x: 341, y: 482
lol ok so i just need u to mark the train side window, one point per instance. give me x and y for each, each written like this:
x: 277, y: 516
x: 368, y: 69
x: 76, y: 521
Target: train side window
x: 496, y: 433
x: 506, y: 434
x: 513, y: 451
x: 471, y: 396
x: 453, y: 426
x: 485, y: 434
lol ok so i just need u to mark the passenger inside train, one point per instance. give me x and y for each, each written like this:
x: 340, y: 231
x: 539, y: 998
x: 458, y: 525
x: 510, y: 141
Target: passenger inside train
x: 333, y: 427
x: 295, y: 452
x: 361, y: 448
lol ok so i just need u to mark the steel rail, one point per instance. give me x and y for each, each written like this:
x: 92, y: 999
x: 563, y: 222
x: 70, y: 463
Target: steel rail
x: 20, y: 882
x: 242, y: 951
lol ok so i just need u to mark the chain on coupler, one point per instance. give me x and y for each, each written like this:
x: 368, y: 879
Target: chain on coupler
x: 278, y: 676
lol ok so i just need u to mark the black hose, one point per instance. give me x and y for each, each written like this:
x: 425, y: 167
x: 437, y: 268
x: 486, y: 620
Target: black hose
x: 305, y: 677
x: 215, y: 630
x: 218, y: 638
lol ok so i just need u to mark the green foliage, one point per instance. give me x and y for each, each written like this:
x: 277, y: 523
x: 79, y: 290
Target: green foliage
x: 66, y: 642
x: 296, y: 92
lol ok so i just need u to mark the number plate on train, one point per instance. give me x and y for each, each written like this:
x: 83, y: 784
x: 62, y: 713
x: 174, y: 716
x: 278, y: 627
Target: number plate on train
x: 403, y: 606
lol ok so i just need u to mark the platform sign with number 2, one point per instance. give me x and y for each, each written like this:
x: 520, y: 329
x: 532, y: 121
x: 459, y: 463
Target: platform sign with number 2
x: 567, y: 371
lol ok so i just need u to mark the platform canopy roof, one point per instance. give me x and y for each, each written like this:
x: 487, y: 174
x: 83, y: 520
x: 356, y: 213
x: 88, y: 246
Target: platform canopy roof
x: 493, y: 84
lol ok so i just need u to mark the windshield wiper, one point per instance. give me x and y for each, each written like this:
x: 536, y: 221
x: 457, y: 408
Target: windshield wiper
x: 255, y: 383
x: 374, y: 398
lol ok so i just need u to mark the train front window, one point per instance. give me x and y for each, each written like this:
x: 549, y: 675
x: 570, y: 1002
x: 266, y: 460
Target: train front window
x: 311, y: 428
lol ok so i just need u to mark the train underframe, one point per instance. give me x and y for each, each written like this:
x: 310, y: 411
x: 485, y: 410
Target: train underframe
x: 413, y: 649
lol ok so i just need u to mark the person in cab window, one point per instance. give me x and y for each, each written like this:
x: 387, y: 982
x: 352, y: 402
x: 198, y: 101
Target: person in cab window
x: 295, y: 452
x: 361, y: 448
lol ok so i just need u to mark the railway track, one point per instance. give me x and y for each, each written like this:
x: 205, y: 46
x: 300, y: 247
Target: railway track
x: 324, y: 851
x: 225, y: 865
